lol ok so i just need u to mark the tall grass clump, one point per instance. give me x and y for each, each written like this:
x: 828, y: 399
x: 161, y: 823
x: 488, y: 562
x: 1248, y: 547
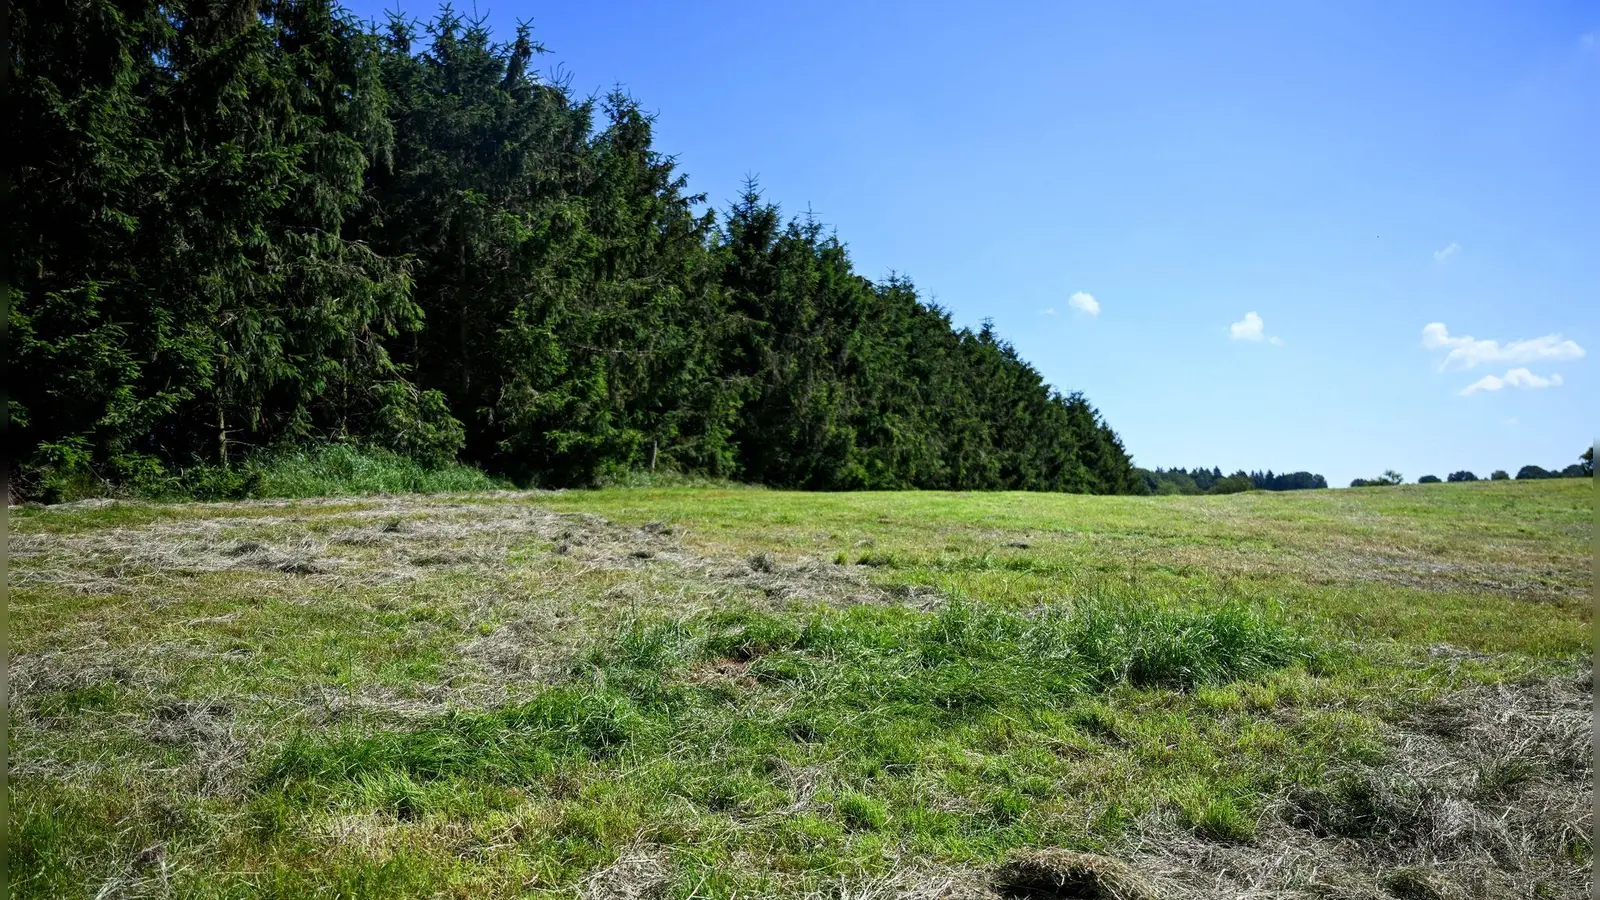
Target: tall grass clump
x: 667, y: 478
x: 720, y: 711
x: 965, y: 656
x: 341, y: 470
x: 331, y: 470
x: 1150, y: 646
x: 728, y: 690
x: 504, y: 744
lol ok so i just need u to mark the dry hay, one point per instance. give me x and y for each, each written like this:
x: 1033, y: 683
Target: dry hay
x: 383, y: 546
x: 1045, y: 874
x: 637, y: 873
x: 1486, y: 793
x: 1441, y: 819
x: 405, y: 539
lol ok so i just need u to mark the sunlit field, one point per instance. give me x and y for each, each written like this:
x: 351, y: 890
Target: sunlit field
x: 700, y: 692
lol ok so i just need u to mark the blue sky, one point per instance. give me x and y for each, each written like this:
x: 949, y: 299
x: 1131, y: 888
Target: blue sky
x: 1350, y: 173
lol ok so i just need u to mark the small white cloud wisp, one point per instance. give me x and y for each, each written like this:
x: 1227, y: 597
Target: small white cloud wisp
x: 1446, y: 252
x: 1251, y: 328
x: 1516, y: 378
x: 1048, y: 311
x: 1467, y: 351
x: 1084, y: 302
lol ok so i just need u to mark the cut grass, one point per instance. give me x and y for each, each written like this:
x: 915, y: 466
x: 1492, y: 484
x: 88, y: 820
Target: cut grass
x: 708, y: 720
x: 705, y: 693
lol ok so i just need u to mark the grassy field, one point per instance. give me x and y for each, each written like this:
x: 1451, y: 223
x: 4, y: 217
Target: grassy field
x: 717, y: 693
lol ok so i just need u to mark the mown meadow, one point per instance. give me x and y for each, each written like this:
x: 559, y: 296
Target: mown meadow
x: 719, y: 692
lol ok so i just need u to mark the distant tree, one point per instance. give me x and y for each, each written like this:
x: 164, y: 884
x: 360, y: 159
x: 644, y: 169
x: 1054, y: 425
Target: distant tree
x: 1167, y: 481
x: 1428, y: 479
x: 1287, y: 481
x: 1588, y: 462
x: 1389, y: 478
x: 1462, y: 475
x: 1533, y: 473
x: 1202, y: 480
x: 1574, y: 471
x: 1499, y: 475
x: 1236, y: 483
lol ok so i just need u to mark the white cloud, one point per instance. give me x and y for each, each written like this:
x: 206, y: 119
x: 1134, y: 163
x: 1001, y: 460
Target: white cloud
x: 1445, y: 253
x: 1048, y: 311
x: 1084, y: 302
x: 1251, y: 328
x: 1467, y: 351
x: 1516, y: 378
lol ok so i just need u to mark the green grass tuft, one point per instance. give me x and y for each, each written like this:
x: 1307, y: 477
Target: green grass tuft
x: 341, y: 471
x: 721, y: 707
x: 332, y: 470
x: 860, y: 812
x: 1216, y: 813
x: 503, y: 745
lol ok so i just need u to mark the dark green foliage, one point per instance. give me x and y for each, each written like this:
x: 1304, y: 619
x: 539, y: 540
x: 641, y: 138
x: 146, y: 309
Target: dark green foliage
x: 1202, y: 481
x: 1288, y: 481
x: 1584, y: 468
x: 247, y: 227
x: 1499, y: 475
x: 1428, y: 479
x: 335, y: 470
x: 1233, y: 484
x: 332, y: 471
x: 184, y: 283
x: 1462, y: 475
x: 859, y: 385
x: 1168, y: 481
x: 1389, y: 478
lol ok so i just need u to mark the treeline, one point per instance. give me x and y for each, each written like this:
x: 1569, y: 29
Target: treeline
x: 1212, y: 481
x: 1583, y: 468
x: 246, y: 225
